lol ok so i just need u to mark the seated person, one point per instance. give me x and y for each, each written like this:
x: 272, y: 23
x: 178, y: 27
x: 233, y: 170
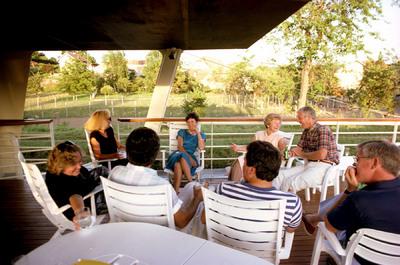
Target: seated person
x: 271, y: 134
x: 142, y: 147
x: 261, y: 165
x: 377, y: 165
x: 66, y: 176
x: 183, y: 160
x: 102, y: 139
x: 318, y: 145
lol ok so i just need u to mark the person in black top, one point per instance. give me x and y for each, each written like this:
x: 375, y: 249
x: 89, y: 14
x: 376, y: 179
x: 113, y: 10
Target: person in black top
x: 66, y: 176
x: 102, y: 139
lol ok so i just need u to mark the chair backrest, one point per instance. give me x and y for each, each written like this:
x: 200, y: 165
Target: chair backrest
x: 40, y: 192
x: 254, y: 227
x: 375, y: 246
x: 148, y: 204
x: 174, y: 127
x: 340, y: 149
x: 89, y: 145
x: 289, y: 137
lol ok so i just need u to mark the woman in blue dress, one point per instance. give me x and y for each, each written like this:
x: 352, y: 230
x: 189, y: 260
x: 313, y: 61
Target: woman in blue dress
x: 183, y: 160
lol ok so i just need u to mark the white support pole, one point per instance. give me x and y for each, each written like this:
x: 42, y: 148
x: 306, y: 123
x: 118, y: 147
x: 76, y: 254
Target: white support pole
x: 165, y: 79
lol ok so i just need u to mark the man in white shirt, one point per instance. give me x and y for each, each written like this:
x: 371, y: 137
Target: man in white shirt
x: 142, y: 147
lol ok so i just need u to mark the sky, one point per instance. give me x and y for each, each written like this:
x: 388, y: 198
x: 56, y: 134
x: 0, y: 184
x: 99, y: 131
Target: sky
x: 388, y: 27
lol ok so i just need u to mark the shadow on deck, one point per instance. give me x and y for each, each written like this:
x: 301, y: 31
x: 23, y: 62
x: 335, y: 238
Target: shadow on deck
x: 24, y: 227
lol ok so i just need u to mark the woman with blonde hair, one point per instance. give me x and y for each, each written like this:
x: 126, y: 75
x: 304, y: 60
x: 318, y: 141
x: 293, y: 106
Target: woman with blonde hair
x: 102, y: 139
x: 66, y: 176
x: 271, y: 134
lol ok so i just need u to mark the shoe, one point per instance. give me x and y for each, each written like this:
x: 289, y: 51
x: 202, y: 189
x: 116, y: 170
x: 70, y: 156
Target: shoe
x: 308, y: 227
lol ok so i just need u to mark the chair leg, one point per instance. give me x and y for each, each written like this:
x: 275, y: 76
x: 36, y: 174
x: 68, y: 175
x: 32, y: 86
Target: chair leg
x: 307, y: 193
x: 314, y: 190
x: 317, y: 248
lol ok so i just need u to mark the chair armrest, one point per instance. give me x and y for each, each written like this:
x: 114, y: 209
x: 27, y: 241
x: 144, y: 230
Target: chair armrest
x: 332, y: 239
x: 96, y: 190
x: 202, y: 162
x: 287, y: 247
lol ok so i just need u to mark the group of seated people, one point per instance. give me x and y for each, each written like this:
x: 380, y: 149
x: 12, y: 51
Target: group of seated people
x: 377, y: 165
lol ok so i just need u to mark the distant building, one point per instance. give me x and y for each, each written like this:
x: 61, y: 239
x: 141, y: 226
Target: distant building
x: 136, y: 65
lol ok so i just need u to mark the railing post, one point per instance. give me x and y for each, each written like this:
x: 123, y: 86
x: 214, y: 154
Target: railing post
x: 337, y: 132
x: 52, y: 139
x: 395, y: 128
x: 119, y: 134
x: 212, y: 145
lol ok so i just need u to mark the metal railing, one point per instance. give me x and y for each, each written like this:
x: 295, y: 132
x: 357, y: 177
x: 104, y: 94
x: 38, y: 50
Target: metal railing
x: 222, y: 131
x: 29, y: 142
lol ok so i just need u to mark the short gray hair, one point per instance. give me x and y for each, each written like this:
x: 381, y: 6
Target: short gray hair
x: 309, y: 111
x: 387, y: 153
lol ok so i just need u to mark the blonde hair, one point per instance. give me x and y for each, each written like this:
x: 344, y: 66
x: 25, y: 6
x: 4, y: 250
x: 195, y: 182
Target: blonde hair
x: 98, y: 120
x: 62, y: 156
x: 272, y: 116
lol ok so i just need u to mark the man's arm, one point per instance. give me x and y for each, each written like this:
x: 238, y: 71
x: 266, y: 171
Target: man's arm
x: 320, y: 154
x: 352, y: 184
x: 183, y: 216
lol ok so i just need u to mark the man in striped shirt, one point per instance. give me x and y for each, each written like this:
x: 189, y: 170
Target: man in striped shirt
x: 261, y: 166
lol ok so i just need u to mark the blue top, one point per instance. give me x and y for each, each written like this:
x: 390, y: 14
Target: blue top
x: 190, y: 142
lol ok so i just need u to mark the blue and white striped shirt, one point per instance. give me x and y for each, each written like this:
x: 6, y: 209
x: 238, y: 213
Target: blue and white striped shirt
x: 245, y: 191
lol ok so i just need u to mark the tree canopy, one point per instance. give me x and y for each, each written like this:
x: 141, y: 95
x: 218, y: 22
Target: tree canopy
x: 324, y: 28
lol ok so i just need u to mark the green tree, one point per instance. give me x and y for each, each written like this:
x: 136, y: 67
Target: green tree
x: 323, y: 28
x: 107, y: 90
x: 242, y: 80
x: 377, y: 87
x: 40, y: 68
x: 196, y: 101
x: 323, y: 81
x: 116, y: 68
x: 184, y: 82
x: 151, y: 69
x: 76, y: 78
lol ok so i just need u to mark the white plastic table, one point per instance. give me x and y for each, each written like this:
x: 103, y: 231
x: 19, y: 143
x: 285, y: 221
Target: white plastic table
x: 148, y: 243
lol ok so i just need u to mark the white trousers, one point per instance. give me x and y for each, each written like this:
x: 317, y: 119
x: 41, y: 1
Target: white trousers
x: 195, y: 227
x: 301, y: 177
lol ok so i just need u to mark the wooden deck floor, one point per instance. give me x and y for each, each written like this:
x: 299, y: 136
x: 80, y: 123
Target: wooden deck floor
x: 24, y: 227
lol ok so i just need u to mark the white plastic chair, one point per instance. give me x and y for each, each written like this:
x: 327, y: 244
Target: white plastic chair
x: 92, y: 156
x: 173, y: 145
x: 331, y: 178
x: 147, y: 204
x: 373, y: 245
x: 255, y: 227
x: 49, y: 208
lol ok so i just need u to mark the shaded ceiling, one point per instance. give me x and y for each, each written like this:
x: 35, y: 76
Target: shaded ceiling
x: 140, y: 25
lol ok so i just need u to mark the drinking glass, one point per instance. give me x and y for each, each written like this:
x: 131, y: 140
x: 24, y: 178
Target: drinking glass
x: 83, y: 217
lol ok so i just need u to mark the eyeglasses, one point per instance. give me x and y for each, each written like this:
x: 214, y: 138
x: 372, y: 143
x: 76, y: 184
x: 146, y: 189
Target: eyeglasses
x: 356, y: 158
x: 63, y: 146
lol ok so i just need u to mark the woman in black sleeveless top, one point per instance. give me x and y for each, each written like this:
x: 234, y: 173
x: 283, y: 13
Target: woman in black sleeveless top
x: 102, y: 139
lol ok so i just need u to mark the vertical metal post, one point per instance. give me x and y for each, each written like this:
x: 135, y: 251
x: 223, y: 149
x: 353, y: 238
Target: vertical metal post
x: 212, y: 145
x: 394, y: 136
x: 52, y: 139
x: 337, y: 132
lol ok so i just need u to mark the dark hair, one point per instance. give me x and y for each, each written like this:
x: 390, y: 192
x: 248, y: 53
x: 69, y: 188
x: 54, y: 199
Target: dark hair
x: 192, y: 115
x: 142, y: 146
x: 265, y: 158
